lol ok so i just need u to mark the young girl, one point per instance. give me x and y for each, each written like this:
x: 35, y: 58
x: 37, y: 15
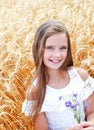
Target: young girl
x: 61, y: 96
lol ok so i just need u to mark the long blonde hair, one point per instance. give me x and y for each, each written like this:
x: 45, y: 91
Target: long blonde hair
x: 45, y: 30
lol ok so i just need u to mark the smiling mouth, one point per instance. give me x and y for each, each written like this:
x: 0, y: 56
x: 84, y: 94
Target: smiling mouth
x: 55, y: 61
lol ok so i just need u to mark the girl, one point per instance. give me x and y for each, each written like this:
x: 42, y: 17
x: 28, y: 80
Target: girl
x: 61, y: 96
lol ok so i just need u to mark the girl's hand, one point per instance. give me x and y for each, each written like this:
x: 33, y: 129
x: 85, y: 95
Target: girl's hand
x: 76, y: 127
x: 87, y: 125
x: 83, y: 126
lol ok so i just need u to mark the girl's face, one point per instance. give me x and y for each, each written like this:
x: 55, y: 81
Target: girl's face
x: 55, y: 51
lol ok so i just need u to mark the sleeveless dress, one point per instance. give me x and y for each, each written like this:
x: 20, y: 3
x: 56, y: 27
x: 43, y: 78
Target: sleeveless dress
x: 64, y: 107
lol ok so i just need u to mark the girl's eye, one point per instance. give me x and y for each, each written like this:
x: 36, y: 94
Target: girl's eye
x: 49, y: 48
x: 63, y: 48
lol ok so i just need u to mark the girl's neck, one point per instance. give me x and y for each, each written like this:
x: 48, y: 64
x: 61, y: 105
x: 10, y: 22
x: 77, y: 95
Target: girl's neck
x: 56, y: 73
x: 58, y: 79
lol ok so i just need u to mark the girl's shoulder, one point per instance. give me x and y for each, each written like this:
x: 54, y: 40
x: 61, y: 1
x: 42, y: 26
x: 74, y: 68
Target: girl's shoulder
x: 82, y: 72
x: 86, y: 86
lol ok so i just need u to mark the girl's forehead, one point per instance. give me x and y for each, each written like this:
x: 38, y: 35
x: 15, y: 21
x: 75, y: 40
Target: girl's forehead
x: 59, y: 38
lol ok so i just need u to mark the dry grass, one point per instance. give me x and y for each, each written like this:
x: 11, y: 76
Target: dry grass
x: 18, y: 22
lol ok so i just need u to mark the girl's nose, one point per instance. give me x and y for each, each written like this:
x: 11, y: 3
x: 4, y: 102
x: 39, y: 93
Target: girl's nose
x: 56, y: 54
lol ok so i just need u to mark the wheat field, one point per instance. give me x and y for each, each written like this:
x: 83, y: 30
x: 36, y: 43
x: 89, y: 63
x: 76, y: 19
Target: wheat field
x: 19, y: 20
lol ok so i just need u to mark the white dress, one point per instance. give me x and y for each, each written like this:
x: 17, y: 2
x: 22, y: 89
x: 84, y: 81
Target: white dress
x: 63, y: 106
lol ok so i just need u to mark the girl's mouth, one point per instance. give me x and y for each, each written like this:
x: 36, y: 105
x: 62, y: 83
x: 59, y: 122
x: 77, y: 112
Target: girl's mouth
x: 55, y: 61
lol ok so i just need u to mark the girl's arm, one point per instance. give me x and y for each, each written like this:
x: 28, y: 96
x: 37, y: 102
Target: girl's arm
x: 40, y: 122
x: 90, y: 109
x: 89, y: 124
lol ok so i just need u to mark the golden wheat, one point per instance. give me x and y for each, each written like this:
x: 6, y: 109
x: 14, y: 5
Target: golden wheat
x: 18, y: 23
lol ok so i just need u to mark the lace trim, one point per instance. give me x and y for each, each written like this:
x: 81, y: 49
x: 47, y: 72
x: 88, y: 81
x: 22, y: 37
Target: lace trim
x: 27, y: 107
x: 73, y: 73
x: 88, y: 88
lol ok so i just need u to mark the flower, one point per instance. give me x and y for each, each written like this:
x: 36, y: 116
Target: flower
x: 74, y: 105
x: 60, y: 97
x: 86, y: 104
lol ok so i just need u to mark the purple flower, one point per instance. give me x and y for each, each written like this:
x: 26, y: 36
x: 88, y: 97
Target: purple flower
x: 75, y: 116
x: 86, y: 105
x: 75, y: 95
x: 74, y: 106
x: 68, y: 104
x: 60, y: 97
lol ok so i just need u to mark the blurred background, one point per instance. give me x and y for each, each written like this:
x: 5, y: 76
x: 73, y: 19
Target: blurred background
x: 19, y: 20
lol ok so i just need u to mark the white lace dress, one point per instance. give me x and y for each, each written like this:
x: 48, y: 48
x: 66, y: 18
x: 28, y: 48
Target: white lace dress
x: 64, y: 107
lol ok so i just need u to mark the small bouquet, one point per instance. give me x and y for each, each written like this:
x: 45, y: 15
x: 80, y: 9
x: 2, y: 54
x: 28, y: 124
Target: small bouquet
x: 74, y: 105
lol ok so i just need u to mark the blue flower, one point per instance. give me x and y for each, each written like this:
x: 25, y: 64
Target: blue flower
x: 75, y: 116
x: 75, y: 95
x: 68, y: 104
x: 60, y: 97
x: 74, y: 106
x: 86, y: 105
